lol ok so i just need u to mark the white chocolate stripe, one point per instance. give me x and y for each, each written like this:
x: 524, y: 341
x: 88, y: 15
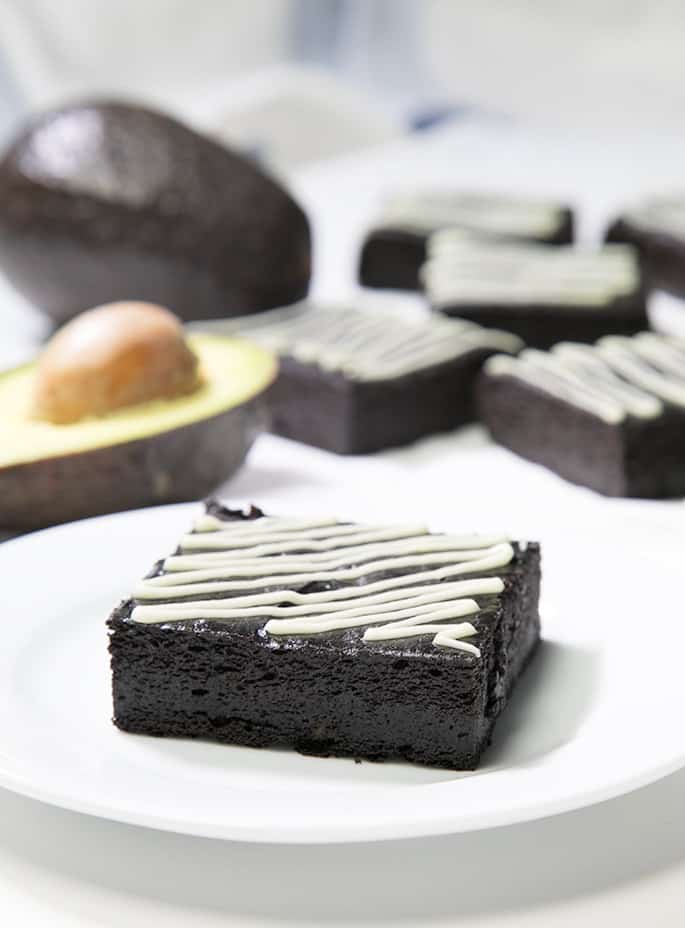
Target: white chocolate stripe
x: 418, y: 615
x: 447, y: 636
x: 617, y: 377
x: 317, y: 605
x: 624, y: 355
x: 321, y: 530
x: 500, y: 555
x: 248, y: 549
x: 366, y: 345
x: 669, y: 357
x: 209, y: 523
x: 299, y: 552
x: 319, y: 540
x: 588, y: 365
x: 425, y: 211
x: 281, y: 569
x: 560, y: 386
x: 663, y: 215
x: 411, y: 602
x: 451, y: 638
x: 464, y: 269
x: 270, y: 596
x: 419, y: 356
x: 306, y: 625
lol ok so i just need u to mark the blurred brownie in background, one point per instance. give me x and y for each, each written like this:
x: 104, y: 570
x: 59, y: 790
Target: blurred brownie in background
x: 610, y: 416
x: 395, y: 247
x: 544, y: 295
x: 657, y: 230
x: 357, y: 380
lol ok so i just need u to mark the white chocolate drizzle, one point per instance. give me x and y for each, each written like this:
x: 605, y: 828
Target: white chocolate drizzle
x: 463, y: 269
x: 661, y: 214
x: 366, y: 345
x: 396, y: 582
x: 613, y: 379
x: 486, y: 213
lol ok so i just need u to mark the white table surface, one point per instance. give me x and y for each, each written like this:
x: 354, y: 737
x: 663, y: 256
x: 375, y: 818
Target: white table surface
x: 618, y: 863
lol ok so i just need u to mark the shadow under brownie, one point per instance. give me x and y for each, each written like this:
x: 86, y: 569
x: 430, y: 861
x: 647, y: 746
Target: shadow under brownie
x: 331, y: 638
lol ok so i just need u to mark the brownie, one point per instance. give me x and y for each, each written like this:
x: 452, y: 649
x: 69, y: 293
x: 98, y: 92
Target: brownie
x: 544, y: 295
x: 395, y: 248
x: 355, y: 381
x: 657, y: 230
x: 352, y: 640
x: 610, y: 416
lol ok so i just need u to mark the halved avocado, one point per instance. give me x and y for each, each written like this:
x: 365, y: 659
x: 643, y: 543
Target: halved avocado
x: 157, y: 452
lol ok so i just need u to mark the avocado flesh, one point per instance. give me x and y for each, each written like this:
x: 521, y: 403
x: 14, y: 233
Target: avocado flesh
x: 232, y: 373
x: 159, y: 452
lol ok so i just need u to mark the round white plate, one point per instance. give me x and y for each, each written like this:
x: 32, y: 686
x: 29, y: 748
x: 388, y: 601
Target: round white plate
x: 597, y: 714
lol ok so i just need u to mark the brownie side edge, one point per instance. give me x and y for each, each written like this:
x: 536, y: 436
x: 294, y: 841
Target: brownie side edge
x: 662, y: 256
x: 573, y: 443
x: 392, y: 258
x: 313, y: 406
x: 233, y: 684
x: 398, y: 411
x: 226, y: 685
x: 544, y: 326
x: 328, y: 410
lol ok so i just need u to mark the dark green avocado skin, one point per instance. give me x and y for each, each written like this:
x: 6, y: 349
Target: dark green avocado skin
x: 105, y: 201
x: 179, y: 465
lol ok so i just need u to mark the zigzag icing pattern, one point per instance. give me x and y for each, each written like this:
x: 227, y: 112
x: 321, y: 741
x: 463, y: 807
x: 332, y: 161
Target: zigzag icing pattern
x: 395, y: 581
x: 616, y: 378
x: 366, y: 345
x: 465, y: 269
x: 664, y: 214
x: 494, y: 214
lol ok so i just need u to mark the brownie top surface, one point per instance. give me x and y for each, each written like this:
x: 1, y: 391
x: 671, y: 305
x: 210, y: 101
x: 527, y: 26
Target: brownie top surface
x: 327, y: 584
x: 619, y: 378
x: 463, y: 268
x: 660, y: 216
x: 365, y: 344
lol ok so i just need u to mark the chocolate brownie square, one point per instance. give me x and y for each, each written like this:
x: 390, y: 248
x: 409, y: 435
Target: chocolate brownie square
x: 544, y: 295
x: 355, y: 381
x: 332, y: 638
x: 610, y: 417
x: 657, y: 230
x: 394, y: 249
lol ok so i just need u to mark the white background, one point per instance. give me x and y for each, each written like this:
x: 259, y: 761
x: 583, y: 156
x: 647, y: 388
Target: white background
x: 619, y: 863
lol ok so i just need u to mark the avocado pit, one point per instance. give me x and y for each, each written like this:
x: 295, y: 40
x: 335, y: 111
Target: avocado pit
x: 112, y: 357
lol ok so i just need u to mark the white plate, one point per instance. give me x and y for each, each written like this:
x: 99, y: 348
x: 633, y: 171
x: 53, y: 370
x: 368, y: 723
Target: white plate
x: 598, y: 713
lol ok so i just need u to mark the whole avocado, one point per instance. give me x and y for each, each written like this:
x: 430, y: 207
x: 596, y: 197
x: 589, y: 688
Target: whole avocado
x: 105, y: 201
